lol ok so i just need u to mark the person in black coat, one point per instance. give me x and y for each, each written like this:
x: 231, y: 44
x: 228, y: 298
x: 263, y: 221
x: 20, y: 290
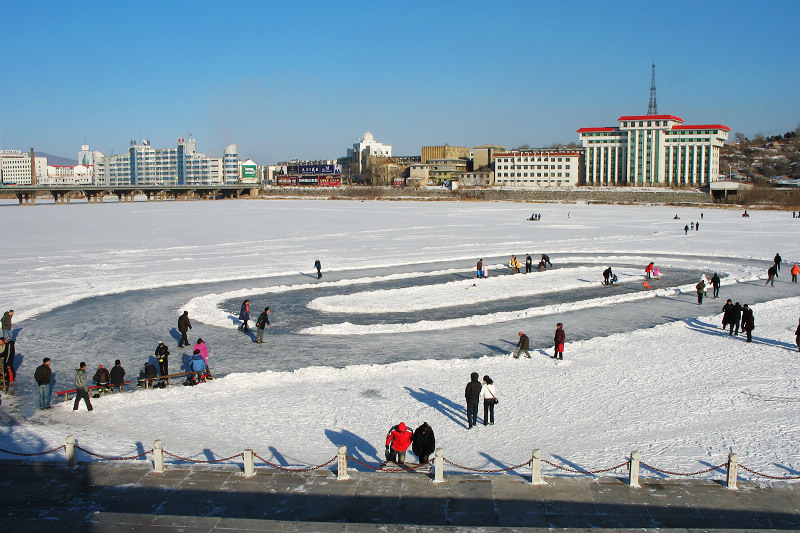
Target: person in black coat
x: 727, y: 313
x: 772, y: 273
x: 736, y: 318
x: 777, y: 260
x: 748, y: 322
x: 607, y: 273
x: 117, y: 375
x: 162, y: 354
x: 184, y: 325
x: 150, y: 373
x: 797, y: 336
x: 472, y: 393
x: 102, y: 377
x: 423, y: 443
x: 318, y: 266
x: 715, y: 283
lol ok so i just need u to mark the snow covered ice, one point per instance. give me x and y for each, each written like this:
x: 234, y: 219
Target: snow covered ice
x: 398, y: 322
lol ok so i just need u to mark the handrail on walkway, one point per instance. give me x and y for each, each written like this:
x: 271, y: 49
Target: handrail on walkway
x: 633, y: 463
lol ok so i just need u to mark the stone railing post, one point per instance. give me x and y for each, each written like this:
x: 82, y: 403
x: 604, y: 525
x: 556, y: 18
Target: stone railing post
x: 249, y: 463
x: 72, y: 456
x: 733, y: 470
x: 438, y: 466
x: 536, y: 467
x: 341, y: 463
x: 158, y: 456
x: 633, y: 479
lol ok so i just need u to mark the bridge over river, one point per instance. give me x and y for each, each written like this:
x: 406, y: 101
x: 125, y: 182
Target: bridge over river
x: 27, y: 195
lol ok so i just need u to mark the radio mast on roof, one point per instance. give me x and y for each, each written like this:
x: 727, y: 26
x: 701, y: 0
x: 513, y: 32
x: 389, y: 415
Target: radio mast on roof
x: 652, y: 108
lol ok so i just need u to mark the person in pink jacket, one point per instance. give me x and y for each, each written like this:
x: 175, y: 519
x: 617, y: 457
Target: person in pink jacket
x: 203, y: 347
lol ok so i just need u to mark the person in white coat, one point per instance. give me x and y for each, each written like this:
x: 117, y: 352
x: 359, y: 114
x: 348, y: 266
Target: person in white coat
x: 489, y: 400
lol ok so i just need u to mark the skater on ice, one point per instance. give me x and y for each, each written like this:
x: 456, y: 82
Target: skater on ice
x: 184, y: 325
x: 715, y: 283
x: 777, y: 260
x: 244, y: 316
x: 261, y: 324
x: 318, y: 266
x: 772, y: 273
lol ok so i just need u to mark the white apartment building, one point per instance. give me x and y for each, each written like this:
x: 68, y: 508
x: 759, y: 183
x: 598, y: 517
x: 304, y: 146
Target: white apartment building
x: 365, y: 148
x: 183, y: 165
x: 653, y: 150
x: 69, y: 175
x: 15, y: 168
x: 537, y: 168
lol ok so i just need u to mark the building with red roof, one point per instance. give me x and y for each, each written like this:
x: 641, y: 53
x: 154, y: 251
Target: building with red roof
x: 653, y: 150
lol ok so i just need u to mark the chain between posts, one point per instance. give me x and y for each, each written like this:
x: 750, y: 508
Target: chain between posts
x: 495, y: 471
x: 382, y: 469
x: 208, y: 461
x: 586, y: 472
x: 670, y: 473
x: 62, y: 447
x: 84, y: 450
x: 306, y: 469
x: 767, y: 475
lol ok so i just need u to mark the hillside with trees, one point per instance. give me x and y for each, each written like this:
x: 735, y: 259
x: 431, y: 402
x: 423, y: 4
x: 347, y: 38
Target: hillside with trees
x: 762, y: 159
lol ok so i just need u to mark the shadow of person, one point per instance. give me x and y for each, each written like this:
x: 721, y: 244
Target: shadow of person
x: 175, y: 334
x: 711, y: 329
x: 357, y: 447
x: 502, y: 466
x: 455, y: 412
x: 494, y: 348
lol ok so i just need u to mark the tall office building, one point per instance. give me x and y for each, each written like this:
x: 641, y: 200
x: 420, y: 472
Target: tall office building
x: 653, y: 150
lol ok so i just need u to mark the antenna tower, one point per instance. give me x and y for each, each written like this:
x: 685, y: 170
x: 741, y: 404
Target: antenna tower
x: 652, y: 108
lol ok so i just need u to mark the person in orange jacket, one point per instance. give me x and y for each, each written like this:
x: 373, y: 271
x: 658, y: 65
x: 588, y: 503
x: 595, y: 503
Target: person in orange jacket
x: 795, y: 272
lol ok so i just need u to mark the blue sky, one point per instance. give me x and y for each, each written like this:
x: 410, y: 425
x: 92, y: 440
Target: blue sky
x: 306, y: 79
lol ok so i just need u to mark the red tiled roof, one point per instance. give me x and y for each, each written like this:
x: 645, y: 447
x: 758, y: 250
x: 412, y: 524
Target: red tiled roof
x: 591, y: 130
x: 702, y: 127
x: 650, y: 117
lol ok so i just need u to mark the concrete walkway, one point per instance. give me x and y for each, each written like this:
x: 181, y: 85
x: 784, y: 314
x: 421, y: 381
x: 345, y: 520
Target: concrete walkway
x: 129, y: 497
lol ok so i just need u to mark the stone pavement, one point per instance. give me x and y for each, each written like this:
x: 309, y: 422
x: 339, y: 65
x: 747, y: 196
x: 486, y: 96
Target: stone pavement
x: 130, y: 497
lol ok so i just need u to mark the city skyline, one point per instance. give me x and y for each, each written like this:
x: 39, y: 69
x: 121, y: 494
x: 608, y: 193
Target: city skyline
x: 306, y: 81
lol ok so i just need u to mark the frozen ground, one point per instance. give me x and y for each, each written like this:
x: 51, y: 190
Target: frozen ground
x: 397, y: 324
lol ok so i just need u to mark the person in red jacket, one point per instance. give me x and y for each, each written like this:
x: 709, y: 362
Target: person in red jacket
x: 397, y: 442
x: 558, y: 340
x: 649, y: 269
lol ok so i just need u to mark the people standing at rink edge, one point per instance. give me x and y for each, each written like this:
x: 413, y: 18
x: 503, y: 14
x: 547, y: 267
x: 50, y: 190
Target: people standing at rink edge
x: 397, y: 442
x: 489, y: 394
x: 423, y: 443
x: 748, y: 322
x: 162, y: 355
x: 42, y: 377
x: 558, y: 341
x: 472, y: 394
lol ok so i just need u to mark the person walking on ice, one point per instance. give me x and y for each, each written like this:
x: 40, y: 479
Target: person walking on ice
x: 244, y: 316
x: 489, y: 400
x: 522, y: 346
x: 184, y: 325
x: 42, y: 377
x: 558, y: 341
x: 777, y: 260
x: 772, y: 273
x: 748, y: 322
x: 261, y: 324
x: 701, y: 290
x: 795, y: 272
x: 80, y: 386
x: 715, y: 283
x: 318, y: 266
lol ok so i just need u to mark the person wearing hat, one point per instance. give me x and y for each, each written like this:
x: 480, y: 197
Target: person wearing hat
x: 397, y: 442
x: 162, y: 354
x: 117, y: 375
x: 150, y: 374
x: 522, y: 346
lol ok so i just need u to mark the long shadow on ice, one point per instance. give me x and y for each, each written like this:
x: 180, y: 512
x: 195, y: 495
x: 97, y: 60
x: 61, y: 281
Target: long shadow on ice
x: 494, y: 348
x: 357, y: 447
x: 455, y: 412
x: 710, y: 329
x: 502, y: 466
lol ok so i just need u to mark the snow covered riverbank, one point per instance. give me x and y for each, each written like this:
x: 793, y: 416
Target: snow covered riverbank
x: 682, y: 393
